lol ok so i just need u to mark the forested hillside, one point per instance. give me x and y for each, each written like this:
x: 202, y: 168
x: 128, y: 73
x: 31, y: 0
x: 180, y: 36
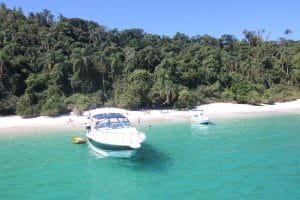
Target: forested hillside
x: 50, y: 65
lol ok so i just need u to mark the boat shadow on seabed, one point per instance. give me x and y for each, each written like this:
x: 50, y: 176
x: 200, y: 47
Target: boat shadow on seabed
x: 149, y: 159
x: 197, y: 128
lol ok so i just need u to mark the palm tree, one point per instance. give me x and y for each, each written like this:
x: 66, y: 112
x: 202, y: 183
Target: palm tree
x: 116, y: 65
x: 80, y: 60
x: 165, y: 86
x: 169, y: 94
x: 96, y: 33
x: 285, y: 55
x: 48, y: 60
x: 287, y: 31
x: 101, y: 64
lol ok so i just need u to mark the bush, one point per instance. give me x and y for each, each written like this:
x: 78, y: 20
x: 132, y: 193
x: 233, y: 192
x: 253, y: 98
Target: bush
x: 207, y: 92
x: 54, y: 106
x: 155, y: 96
x: 296, y: 77
x: 8, y: 105
x: 280, y: 93
x: 247, y: 92
x: 133, y: 91
x: 81, y: 102
x: 253, y: 97
x: 97, y: 99
x: 125, y: 96
x: 227, y: 95
x: 25, y: 108
x: 186, y: 99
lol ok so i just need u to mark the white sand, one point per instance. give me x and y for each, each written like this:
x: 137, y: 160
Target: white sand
x: 231, y: 110
x: 215, y: 111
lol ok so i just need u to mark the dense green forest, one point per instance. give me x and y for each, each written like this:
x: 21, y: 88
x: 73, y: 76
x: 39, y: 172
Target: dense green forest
x: 50, y: 66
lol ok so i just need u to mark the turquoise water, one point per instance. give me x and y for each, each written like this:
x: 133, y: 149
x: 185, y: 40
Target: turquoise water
x: 246, y: 158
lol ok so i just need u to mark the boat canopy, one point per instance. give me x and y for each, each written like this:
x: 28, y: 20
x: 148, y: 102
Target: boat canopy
x: 110, y: 120
x: 108, y: 116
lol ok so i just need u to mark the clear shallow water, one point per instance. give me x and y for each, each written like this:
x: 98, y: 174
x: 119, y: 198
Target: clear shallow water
x: 248, y: 158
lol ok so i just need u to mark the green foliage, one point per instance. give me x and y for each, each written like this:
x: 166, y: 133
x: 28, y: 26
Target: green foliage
x: 54, y: 106
x: 50, y: 66
x: 8, y: 105
x: 207, y: 93
x: 164, y: 91
x: 247, y: 92
x: 82, y: 102
x: 133, y: 92
x: 296, y: 66
x: 280, y: 93
x: 36, y: 83
x: 25, y: 107
x: 227, y: 95
x: 125, y: 96
x: 186, y: 99
x: 296, y: 77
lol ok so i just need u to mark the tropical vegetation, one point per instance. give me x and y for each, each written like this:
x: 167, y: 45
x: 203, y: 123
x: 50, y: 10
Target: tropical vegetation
x: 49, y: 66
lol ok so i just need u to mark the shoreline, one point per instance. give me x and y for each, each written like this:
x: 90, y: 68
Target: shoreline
x: 215, y: 111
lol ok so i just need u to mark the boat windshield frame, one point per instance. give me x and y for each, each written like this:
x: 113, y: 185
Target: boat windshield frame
x: 111, y: 121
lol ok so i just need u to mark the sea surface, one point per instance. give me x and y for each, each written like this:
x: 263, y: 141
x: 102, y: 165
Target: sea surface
x: 239, y: 158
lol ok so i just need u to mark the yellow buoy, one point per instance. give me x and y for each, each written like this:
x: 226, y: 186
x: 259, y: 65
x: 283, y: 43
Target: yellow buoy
x: 78, y: 140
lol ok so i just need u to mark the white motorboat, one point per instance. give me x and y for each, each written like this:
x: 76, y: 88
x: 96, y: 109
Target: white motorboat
x: 111, y: 134
x: 199, y: 117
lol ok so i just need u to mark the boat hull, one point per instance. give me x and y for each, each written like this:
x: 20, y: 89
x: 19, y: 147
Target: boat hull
x: 111, y: 150
x: 201, y: 121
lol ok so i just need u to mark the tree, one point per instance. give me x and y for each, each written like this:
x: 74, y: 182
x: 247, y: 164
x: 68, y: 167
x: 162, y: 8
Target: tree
x: 101, y: 63
x: 163, y: 92
x: 252, y: 37
x: 186, y: 99
x: 287, y: 32
x: 46, y: 64
x: 133, y: 91
x: 80, y: 60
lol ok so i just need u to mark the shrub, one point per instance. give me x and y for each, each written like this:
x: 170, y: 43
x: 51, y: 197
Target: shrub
x: 207, y: 92
x: 227, y: 95
x: 186, y: 99
x: 253, y: 97
x: 125, y: 96
x: 25, y: 108
x: 54, y: 106
x: 81, y: 102
x: 8, y: 105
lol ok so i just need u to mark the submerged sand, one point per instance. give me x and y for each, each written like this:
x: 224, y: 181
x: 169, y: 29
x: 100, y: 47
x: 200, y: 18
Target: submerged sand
x: 214, y: 110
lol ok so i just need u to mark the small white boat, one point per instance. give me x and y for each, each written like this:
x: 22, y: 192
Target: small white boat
x: 199, y: 117
x: 111, y: 134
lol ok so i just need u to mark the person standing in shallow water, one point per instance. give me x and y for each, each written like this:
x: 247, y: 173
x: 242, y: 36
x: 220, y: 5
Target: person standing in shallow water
x: 89, y: 122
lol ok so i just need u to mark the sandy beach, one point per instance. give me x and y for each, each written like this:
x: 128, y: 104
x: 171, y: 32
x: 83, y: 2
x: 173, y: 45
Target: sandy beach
x: 214, y: 110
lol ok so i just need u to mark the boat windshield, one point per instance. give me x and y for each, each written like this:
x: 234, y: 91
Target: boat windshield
x: 110, y: 120
x: 112, y: 123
